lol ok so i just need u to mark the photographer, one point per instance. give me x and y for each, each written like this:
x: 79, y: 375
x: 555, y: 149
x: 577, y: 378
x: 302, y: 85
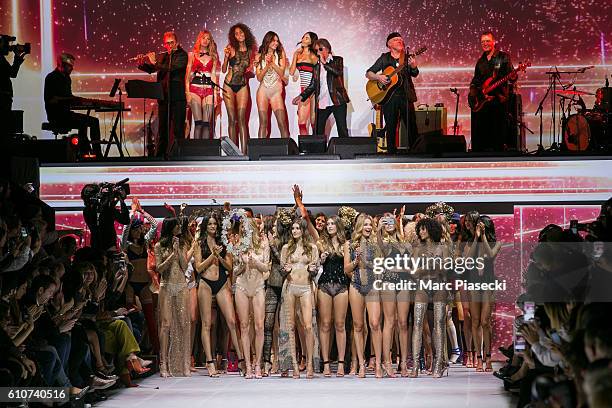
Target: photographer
x: 8, y: 71
x: 100, y: 212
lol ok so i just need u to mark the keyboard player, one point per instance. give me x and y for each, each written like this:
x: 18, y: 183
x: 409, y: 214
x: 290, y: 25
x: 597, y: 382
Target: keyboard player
x: 59, y: 99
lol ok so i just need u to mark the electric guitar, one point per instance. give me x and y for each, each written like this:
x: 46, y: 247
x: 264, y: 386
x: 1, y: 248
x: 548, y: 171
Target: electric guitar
x: 377, y: 130
x: 379, y: 93
x: 477, y: 100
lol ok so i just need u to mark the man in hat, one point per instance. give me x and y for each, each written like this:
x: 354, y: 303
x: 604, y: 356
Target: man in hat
x: 401, y: 103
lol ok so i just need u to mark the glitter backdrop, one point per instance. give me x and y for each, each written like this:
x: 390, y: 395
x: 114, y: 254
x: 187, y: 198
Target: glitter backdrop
x: 105, y: 33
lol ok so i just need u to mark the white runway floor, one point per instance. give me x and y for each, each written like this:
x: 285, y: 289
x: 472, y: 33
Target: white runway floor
x: 462, y: 388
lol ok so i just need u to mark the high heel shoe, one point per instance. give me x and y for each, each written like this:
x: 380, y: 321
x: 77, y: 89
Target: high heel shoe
x: 296, y: 371
x: 354, y: 365
x: 489, y: 365
x: 440, y: 369
x: 455, y: 355
x: 414, y: 371
x: 258, y: 371
x: 326, y: 373
x: 134, y: 366
x: 479, y: 368
x: 163, y: 370
x: 362, y: 370
x: 310, y: 371
x: 388, y: 369
x: 470, y: 359
x: 212, y: 371
x: 267, y: 369
x: 241, y: 367
x: 249, y: 372
x: 404, y: 370
x: 126, y: 379
x: 340, y: 371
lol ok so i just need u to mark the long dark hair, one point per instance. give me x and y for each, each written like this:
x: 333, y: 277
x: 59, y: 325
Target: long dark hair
x: 489, y: 228
x: 204, y: 232
x: 166, y: 235
x: 249, y: 38
x: 313, y: 38
x: 268, y: 38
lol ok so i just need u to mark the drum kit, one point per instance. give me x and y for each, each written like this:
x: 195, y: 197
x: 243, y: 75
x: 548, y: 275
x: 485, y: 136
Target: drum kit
x: 583, y: 130
x: 587, y: 129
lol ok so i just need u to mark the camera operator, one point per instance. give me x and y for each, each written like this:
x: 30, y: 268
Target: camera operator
x: 100, y: 212
x: 8, y: 71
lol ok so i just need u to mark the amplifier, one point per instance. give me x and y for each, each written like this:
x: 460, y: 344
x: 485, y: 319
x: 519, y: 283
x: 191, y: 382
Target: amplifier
x: 430, y: 119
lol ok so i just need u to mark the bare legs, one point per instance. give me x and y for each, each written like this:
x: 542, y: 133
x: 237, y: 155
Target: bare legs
x: 306, y: 118
x: 236, y: 105
x: 339, y: 304
x: 243, y: 303
x: 358, y: 303
x: 389, y: 313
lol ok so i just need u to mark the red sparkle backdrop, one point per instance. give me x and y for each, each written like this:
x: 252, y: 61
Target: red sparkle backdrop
x: 105, y: 33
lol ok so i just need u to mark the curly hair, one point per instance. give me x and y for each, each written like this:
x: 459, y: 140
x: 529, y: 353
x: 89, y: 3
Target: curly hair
x: 434, y: 230
x: 306, y: 238
x: 265, y: 43
x: 212, y: 47
x: 249, y: 38
x: 325, y: 240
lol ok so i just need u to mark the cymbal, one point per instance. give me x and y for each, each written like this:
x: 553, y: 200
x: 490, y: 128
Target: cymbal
x: 572, y: 92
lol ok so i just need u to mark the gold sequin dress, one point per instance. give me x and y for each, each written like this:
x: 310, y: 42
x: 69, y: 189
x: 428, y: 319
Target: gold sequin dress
x: 174, y: 300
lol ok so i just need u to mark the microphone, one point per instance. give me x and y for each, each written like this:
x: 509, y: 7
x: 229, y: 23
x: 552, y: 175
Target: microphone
x: 581, y: 70
x: 453, y: 90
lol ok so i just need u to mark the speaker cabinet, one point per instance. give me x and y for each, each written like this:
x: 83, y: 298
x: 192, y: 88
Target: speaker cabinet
x: 431, y: 119
x: 314, y: 144
x: 260, y: 148
x: 195, y: 148
x: 436, y: 143
x: 348, y: 147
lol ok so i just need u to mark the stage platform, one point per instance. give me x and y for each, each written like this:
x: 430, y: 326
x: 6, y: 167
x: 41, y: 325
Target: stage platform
x: 462, y: 388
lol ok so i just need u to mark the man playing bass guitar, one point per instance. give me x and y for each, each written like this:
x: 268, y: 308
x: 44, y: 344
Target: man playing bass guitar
x: 490, y: 125
x: 401, y: 101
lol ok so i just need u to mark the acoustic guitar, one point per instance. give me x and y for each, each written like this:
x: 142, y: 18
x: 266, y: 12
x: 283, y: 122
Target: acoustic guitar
x: 379, y: 93
x: 477, y: 100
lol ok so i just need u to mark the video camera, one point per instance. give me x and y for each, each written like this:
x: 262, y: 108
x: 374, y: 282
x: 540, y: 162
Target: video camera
x: 106, y: 194
x: 6, y: 46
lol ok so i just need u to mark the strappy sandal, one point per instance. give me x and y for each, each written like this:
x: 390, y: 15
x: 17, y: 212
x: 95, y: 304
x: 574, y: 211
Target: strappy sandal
x: 212, y: 373
x: 328, y: 372
x: 340, y: 372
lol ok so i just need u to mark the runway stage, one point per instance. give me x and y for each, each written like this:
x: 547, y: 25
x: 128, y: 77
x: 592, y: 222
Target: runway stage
x: 462, y: 388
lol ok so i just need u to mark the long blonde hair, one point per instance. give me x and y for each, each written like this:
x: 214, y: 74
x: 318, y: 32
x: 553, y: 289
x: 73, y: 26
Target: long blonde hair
x: 212, y: 47
x: 358, y: 231
x: 255, y: 237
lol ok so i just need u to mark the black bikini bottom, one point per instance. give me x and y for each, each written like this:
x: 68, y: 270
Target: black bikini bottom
x: 235, y: 87
x: 216, y: 286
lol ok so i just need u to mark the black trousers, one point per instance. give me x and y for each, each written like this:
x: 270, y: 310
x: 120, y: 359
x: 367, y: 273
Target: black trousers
x: 398, y: 108
x: 82, y: 122
x: 490, y: 127
x: 178, y: 112
x: 339, y: 112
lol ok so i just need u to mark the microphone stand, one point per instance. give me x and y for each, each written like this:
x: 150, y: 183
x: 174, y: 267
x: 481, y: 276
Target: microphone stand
x: 455, y: 125
x: 211, y: 124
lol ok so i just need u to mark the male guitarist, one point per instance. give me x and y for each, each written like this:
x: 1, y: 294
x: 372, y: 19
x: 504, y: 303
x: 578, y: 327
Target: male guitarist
x: 401, y: 102
x: 490, y: 125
